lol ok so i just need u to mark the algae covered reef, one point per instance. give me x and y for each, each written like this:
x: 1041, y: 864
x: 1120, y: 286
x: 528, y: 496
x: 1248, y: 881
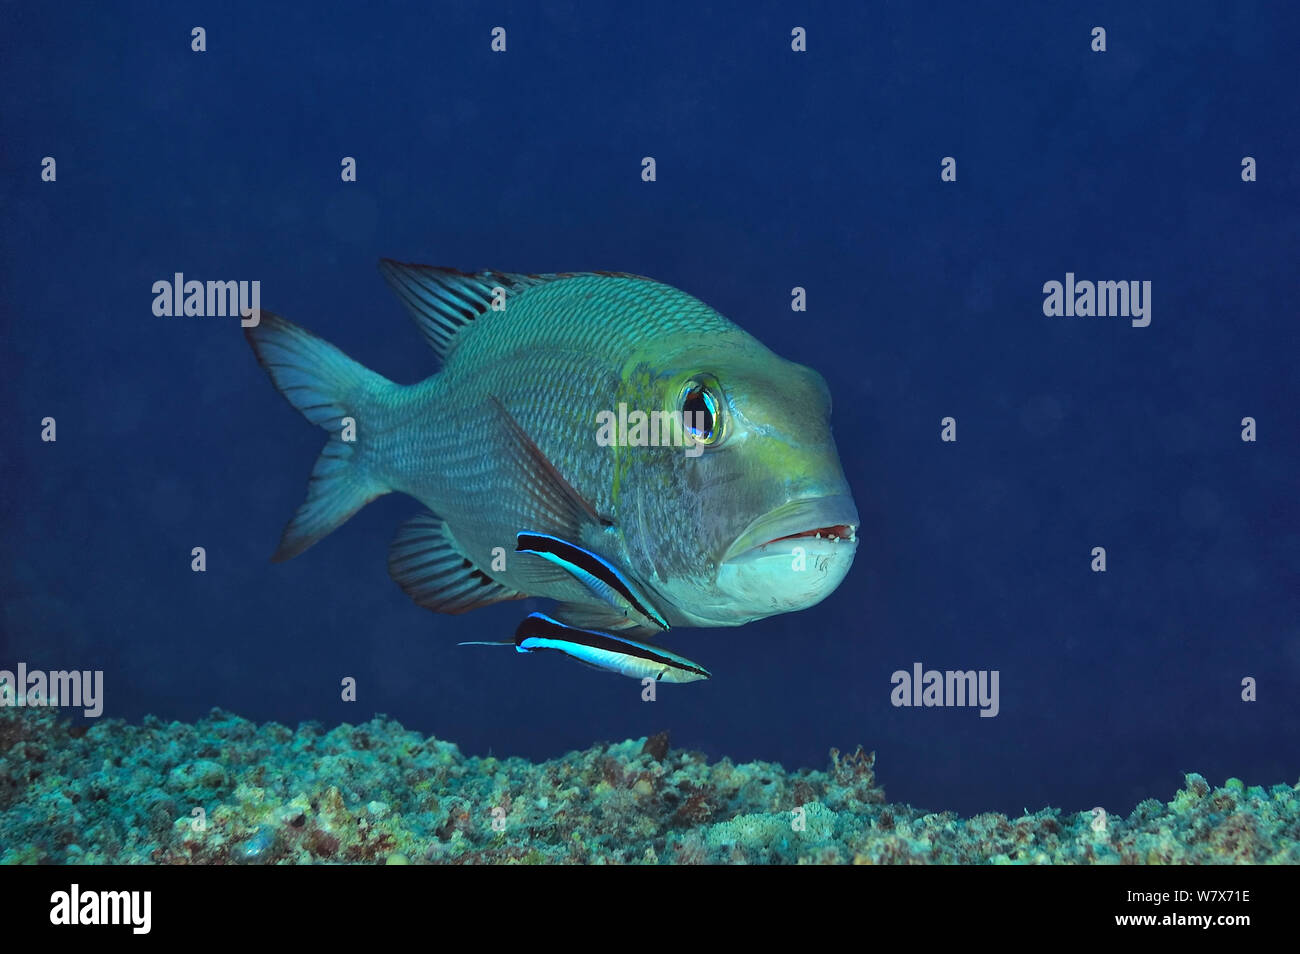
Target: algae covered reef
x: 225, y: 790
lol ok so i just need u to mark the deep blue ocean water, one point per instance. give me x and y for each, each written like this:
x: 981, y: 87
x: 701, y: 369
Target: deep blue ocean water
x: 775, y: 169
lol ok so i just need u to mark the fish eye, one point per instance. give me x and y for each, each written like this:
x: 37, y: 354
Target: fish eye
x: 701, y: 408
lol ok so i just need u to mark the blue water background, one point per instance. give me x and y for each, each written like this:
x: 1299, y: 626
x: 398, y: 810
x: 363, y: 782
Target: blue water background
x: 775, y: 169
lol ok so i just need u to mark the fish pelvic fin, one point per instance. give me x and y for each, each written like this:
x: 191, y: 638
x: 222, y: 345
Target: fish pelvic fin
x: 605, y: 618
x: 334, y: 393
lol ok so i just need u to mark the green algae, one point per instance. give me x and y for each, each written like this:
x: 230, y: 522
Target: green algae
x: 226, y: 791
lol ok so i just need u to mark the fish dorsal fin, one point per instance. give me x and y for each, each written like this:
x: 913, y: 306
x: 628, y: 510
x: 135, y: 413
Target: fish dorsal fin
x: 430, y: 566
x: 445, y: 300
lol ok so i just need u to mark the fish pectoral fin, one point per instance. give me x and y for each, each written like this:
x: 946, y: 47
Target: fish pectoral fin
x: 558, y: 508
x: 601, y: 577
x: 429, y: 565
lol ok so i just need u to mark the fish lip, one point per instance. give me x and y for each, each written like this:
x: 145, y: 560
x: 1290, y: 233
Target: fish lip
x: 803, y: 516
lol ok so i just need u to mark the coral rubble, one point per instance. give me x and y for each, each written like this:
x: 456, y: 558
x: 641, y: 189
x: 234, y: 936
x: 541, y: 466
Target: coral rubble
x: 227, y: 791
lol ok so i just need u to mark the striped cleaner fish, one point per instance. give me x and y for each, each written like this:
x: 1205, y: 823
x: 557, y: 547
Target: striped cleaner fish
x: 596, y: 438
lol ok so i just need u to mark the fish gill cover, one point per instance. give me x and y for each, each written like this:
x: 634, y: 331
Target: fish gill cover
x: 911, y: 385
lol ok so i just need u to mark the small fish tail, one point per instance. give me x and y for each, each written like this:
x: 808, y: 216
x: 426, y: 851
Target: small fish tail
x: 335, y: 393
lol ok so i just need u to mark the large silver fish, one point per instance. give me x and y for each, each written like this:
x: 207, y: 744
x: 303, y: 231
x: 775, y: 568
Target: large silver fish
x: 597, y: 438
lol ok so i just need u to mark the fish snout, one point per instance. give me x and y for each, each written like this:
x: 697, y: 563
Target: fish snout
x: 793, y: 557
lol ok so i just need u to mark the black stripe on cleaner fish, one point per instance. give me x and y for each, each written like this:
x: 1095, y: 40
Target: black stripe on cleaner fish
x: 537, y: 452
x: 539, y: 632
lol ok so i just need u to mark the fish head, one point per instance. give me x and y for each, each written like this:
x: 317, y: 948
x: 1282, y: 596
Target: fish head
x: 763, y: 521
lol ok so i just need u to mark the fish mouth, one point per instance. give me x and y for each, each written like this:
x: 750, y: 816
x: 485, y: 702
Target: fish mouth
x: 829, y: 520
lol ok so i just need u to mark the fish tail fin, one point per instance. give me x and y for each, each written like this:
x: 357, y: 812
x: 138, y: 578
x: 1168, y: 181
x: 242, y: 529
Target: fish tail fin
x: 480, y: 642
x: 337, y: 394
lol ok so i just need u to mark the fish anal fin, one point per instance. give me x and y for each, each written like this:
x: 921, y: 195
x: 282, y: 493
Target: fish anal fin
x: 431, y: 568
